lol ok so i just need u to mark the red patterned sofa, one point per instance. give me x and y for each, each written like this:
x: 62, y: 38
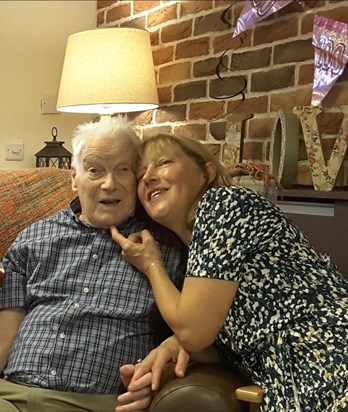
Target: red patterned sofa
x: 32, y: 194
x: 29, y: 195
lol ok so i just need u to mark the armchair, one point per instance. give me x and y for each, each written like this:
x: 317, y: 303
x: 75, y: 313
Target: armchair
x: 206, y: 387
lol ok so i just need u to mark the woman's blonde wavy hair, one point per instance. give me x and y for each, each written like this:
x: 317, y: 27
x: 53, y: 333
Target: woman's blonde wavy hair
x: 163, y: 143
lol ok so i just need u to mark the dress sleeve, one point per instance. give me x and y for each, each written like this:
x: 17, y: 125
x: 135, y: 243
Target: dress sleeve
x: 230, y: 227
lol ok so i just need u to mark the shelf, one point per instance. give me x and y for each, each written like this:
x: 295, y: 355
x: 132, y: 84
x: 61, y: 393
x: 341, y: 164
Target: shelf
x: 307, y: 193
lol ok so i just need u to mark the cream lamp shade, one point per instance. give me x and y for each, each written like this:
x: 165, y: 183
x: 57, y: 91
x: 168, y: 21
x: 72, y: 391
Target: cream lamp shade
x: 108, y: 71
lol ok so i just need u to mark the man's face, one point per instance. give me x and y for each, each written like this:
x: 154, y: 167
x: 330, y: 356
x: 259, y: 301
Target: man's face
x: 105, y: 182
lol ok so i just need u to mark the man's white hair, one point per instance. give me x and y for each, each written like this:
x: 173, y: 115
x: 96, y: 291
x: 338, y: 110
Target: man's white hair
x: 117, y: 128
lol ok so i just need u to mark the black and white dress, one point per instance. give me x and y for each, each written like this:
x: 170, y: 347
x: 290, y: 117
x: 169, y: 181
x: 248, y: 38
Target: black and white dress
x: 288, y: 324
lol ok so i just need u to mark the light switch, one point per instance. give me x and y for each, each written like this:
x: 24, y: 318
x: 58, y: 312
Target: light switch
x: 49, y: 103
x: 14, y: 151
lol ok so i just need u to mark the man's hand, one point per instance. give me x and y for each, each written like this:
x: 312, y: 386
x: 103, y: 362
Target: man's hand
x: 139, y: 399
x: 169, y: 351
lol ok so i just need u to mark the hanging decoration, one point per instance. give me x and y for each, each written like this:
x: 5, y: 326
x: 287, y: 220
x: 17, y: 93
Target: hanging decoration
x: 330, y: 41
x: 257, y: 10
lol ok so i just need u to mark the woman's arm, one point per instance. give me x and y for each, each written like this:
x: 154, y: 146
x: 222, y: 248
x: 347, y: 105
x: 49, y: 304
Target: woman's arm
x: 197, y: 314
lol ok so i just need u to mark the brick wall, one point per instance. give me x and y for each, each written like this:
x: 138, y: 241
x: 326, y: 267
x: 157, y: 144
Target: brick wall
x: 275, y: 59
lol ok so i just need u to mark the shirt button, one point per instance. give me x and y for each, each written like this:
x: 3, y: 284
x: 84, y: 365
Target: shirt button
x: 53, y: 372
x: 95, y: 256
x: 86, y: 290
x: 62, y: 335
x: 76, y: 305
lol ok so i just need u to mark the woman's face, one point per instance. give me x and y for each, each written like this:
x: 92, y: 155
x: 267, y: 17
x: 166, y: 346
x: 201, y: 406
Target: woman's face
x: 168, y: 185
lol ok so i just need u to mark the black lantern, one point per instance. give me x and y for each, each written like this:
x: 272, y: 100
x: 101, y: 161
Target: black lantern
x: 54, y: 154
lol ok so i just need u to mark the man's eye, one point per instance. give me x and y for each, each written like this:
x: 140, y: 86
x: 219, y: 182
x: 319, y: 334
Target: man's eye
x: 124, y: 169
x: 92, y: 170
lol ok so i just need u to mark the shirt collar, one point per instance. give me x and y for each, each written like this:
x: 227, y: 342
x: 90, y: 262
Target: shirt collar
x: 75, y: 206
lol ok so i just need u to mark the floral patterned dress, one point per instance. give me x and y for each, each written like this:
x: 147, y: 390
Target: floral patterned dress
x: 288, y: 324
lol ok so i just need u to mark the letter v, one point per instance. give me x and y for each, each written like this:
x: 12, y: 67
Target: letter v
x: 323, y: 174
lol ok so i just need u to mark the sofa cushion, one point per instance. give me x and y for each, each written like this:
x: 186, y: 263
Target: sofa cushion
x: 29, y: 195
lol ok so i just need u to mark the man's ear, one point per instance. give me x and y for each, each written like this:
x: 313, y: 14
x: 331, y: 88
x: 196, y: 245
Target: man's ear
x: 73, y: 179
x: 211, y: 171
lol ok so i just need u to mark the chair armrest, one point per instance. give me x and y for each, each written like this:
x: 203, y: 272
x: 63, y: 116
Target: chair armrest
x: 205, y: 388
x: 251, y: 393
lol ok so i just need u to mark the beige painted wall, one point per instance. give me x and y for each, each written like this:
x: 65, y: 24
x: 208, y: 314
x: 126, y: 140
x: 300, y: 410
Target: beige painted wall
x: 33, y: 39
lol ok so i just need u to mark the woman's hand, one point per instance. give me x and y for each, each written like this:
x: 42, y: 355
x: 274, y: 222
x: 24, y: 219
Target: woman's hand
x: 140, y: 249
x: 156, y: 361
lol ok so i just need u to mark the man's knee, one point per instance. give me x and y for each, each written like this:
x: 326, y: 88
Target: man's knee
x: 7, y: 406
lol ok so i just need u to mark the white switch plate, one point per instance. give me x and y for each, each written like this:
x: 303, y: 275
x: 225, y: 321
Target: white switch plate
x: 49, y: 103
x: 14, y: 151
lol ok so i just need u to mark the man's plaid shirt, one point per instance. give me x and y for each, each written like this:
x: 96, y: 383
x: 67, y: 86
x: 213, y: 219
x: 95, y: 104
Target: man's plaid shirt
x: 88, y: 310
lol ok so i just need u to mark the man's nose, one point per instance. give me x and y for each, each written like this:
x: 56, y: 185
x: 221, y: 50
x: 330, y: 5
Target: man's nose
x: 110, y: 182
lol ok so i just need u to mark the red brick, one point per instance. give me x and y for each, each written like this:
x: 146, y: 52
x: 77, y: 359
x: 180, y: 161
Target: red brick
x: 278, y: 78
x: 174, y: 73
x: 209, y: 67
x: 226, y: 87
x: 344, y: 76
x: 251, y: 59
x: 154, y: 130
x: 100, y: 18
x: 154, y: 37
x: 206, y: 110
x: 252, y: 151
x: 276, y: 31
x: 261, y: 128
x: 218, y: 130
x: 194, y: 7
x: 163, y: 55
x: 191, y: 48
x: 337, y: 96
x: 249, y: 105
x: 176, y: 32
x: 118, y: 12
x: 329, y: 123
x: 173, y: 113
x: 165, y: 94
x: 191, y: 90
x: 306, y: 74
x: 140, y: 5
x: 295, y: 51
x: 226, y: 42
x: 137, y: 23
x: 105, y: 3
x: 209, y: 23
x: 141, y: 118
x: 287, y: 100
x: 162, y: 15
x: 194, y: 130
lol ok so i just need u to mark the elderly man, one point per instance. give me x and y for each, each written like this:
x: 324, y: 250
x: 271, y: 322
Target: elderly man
x: 72, y: 310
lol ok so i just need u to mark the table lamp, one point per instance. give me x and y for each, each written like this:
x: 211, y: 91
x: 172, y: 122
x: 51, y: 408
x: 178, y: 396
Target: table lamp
x: 107, y: 71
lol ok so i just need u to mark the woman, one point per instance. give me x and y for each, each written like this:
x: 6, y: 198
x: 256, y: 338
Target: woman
x: 254, y: 285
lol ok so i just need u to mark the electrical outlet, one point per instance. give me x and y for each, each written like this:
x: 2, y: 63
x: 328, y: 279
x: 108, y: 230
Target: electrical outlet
x: 14, y: 151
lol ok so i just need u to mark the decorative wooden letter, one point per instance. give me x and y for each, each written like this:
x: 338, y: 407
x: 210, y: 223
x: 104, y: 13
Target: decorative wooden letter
x: 323, y: 174
x: 284, y: 148
x: 233, y: 149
